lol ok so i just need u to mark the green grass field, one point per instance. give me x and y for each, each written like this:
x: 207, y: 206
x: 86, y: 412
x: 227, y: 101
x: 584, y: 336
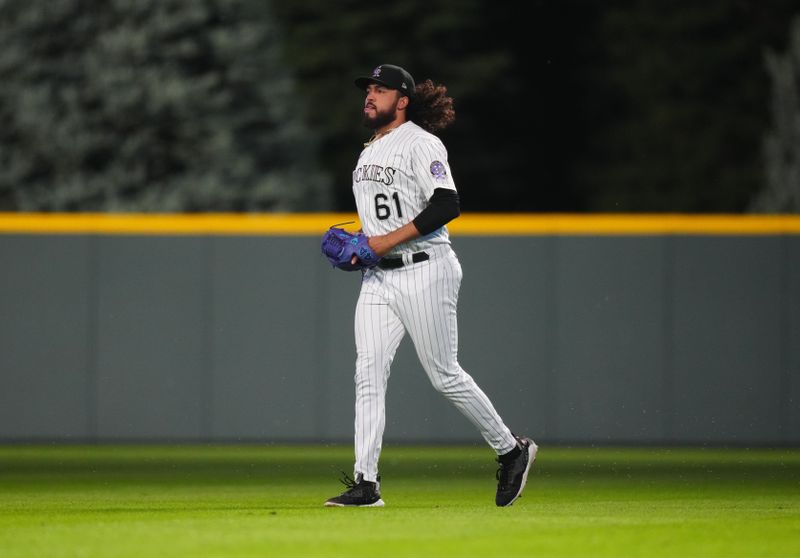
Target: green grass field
x: 267, y: 501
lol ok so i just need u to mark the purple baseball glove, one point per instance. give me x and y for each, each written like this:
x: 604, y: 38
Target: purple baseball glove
x: 339, y: 246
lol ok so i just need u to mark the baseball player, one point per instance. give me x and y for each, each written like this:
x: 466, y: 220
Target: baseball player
x: 405, y: 195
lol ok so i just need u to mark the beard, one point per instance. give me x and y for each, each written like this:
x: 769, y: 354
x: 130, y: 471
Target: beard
x: 380, y: 119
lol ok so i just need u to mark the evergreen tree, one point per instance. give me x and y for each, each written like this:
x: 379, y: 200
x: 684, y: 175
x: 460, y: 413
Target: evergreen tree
x: 682, y: 108
x: 782, y: 143
x: 580, y: 105
x: 150, y: 105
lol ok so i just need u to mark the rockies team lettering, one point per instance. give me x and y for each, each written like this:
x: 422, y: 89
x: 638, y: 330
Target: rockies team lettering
x: 375, y: 173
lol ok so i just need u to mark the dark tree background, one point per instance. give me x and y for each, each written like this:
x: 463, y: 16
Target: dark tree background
x: 577, y: 106
x: 249, y: 105
x: 688, y: 94
x: 150, y: 105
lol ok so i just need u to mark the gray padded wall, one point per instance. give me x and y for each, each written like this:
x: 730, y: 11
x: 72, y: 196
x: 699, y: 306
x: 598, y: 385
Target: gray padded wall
x: 610, y: 324
x: 727, y: 340
x: 46, y: 359
x: 152, y: 315
x: 575, y: 339
x: 790, y: 331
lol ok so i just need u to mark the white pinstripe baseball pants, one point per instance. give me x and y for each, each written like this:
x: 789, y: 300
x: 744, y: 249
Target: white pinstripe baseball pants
x: 420, y: 299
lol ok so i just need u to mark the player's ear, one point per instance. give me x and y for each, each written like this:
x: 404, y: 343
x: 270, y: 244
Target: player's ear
x: 402, y: 103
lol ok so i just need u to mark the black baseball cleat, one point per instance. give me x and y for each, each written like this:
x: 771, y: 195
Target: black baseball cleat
x: 512, y: 474
x: 359, y: 493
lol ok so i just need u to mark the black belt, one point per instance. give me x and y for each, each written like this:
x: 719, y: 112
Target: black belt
x: 394, y: 263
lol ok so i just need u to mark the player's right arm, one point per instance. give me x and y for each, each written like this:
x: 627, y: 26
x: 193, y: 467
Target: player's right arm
x: 383, y: 243
x: 442, y: 208
x: 433, y: 178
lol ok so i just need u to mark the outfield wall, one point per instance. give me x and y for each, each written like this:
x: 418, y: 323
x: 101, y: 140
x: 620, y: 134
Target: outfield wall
x: 643, y: 329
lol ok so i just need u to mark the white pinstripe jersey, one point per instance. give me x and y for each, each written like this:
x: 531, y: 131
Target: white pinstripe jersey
x: 394, y: 180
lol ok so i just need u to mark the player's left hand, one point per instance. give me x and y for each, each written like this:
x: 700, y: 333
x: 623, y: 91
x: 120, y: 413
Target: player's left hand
x: 348, y: 251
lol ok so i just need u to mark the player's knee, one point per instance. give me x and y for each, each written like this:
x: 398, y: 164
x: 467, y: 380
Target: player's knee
x: 366, y: 361
x: 447, y: 382
x: 368, y: 386
x: 371, y: 370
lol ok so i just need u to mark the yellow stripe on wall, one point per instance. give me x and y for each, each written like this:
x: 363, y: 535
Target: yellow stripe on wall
x: 625, y: 224
x: 179, y: 224
x: 470, y: 224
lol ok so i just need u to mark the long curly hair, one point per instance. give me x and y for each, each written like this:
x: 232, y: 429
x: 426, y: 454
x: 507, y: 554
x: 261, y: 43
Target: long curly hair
x: 430, y: 107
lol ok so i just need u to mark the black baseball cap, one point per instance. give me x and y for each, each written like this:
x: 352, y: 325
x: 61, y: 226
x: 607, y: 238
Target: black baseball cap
x: 393, y: 77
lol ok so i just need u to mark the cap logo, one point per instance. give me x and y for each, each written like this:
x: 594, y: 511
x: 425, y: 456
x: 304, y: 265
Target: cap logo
x: 376, y: 72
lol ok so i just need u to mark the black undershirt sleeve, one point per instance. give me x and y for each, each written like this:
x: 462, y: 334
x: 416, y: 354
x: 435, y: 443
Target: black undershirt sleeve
x: 442, y: 209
